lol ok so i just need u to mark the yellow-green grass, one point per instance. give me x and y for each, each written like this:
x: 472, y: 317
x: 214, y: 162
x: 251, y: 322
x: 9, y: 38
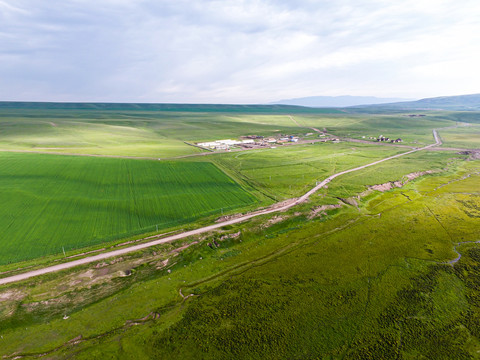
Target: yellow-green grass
x: 462, y: 137
x: 163, y: 134
x: 290, y: 171
x: 391, y: 171
x: 84, y: 137
x: 413, y: 131
x: 129, y: 133
x: 50, y: 202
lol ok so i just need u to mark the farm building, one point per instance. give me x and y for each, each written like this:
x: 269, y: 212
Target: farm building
x: 223, y: 144
x: 229, y: 142
x: 222, y: 147
x: 210, y: 144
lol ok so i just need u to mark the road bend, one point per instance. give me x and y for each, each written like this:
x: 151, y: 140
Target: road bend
x: 133, y: 248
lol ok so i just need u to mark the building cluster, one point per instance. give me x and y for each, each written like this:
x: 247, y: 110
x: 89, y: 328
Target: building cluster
x: 225, y: 144
x: 249, y: 141
x: 382, y: 138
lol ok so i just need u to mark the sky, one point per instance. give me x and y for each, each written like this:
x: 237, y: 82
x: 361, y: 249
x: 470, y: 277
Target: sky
x: 236, y: 51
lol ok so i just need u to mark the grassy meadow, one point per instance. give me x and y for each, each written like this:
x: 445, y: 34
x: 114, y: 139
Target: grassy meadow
x: 129, y: 133
x: 462, y: 137
x: 162, y: 134
x: 355, y: 283
x: 413, y: 131
x: 48, y: 201
x: 290, y: 171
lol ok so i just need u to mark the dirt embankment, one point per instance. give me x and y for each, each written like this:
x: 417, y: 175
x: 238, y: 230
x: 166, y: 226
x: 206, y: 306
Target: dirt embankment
x: 274, y: 220
x: 472, y: 155
x: 399, y: 183
x: 387, y: 186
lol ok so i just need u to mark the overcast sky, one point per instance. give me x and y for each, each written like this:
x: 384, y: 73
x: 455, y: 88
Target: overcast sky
x: 236, y: 51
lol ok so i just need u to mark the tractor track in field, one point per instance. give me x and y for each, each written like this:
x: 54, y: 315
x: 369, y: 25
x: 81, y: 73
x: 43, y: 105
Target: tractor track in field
x: 282, y: 206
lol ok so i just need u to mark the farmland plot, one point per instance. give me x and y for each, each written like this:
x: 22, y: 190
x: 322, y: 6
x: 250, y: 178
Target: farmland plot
x: 48, y: 202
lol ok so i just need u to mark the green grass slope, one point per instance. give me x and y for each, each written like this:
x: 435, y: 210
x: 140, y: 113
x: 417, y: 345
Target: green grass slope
x: 129, y: 133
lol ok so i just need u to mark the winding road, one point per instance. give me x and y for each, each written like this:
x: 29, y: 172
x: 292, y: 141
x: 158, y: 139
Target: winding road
x: 103, y: 256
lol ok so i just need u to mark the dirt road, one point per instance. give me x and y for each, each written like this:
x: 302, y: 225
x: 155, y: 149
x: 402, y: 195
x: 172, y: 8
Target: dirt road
x: 288, y: 205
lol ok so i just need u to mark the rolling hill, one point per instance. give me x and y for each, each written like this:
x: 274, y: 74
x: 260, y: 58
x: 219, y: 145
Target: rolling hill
x: 452, y: 103
x: 337, y: 101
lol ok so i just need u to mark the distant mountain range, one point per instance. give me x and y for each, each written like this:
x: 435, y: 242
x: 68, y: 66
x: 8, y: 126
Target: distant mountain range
x: 455, y: 103
x: 314, y: 104
x: 219, y: 108
x: 338, y: 101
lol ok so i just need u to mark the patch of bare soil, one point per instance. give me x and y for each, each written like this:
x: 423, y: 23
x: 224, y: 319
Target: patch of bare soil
x: 382, y: 187
x: 273, y: 220
x: 398, y: 184
x: 10, y: 295
x: 472, y: 155
x: 228, y: 217
x: 414, y: 175
x: 231, y: 236
x: 100, y: 275
x: 321, y: 210
x: 177, y: 250
x: 283, y: 203
x: 71, y: 289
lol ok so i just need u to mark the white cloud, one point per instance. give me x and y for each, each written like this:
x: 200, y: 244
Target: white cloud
x: 235, y: 51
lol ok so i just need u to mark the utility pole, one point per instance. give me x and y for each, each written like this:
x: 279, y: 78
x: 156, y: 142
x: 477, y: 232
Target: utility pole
x: 64, y: 252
